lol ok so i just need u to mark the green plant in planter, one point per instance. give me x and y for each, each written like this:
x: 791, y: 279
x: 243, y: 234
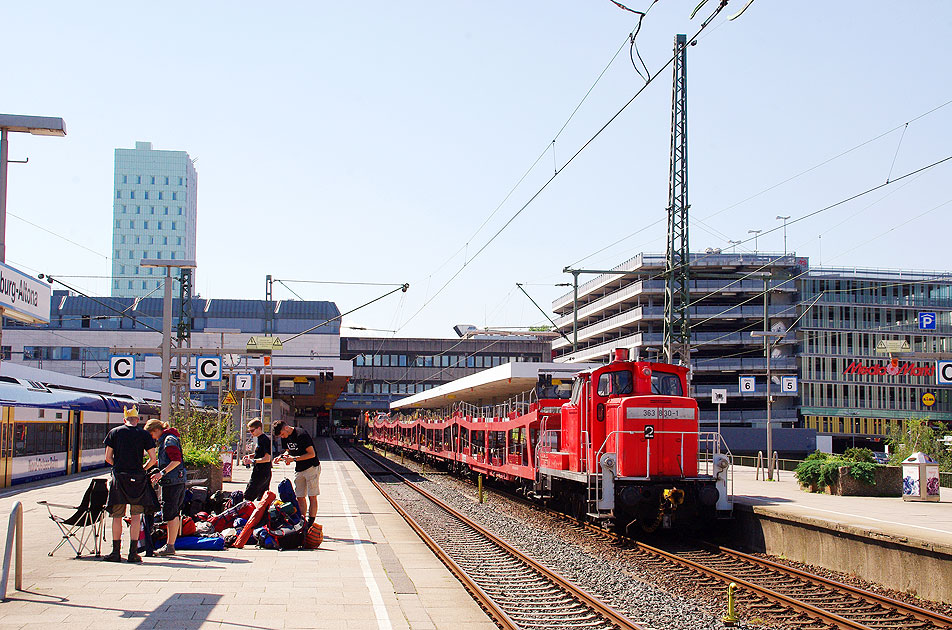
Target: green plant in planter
x: 821, y: 469
x: 195, y: 458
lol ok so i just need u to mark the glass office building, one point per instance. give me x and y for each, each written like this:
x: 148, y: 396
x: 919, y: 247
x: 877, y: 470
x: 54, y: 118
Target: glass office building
x: 847, y: 388
x: 850, y: 385
x: 155, y: 207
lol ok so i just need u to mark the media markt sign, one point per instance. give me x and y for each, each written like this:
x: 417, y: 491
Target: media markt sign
x: 24, y: 298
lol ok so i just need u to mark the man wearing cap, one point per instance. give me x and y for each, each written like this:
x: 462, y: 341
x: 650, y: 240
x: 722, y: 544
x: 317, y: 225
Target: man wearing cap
x: 126, y: 446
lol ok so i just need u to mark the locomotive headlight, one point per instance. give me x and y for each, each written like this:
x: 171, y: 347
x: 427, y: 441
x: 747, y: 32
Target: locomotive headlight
x: 646, y: 371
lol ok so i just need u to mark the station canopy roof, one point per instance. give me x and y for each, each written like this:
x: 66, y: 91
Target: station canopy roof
x: 491, y: 386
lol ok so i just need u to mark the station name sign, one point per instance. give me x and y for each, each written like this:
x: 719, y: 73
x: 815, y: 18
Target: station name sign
x: 889, y: 369
x: 23, y: 297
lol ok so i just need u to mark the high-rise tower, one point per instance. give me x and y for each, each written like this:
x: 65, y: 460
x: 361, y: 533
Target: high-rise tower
x: 155, y: 208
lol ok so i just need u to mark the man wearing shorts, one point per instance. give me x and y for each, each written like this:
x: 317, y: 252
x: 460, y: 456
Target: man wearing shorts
x: 307, y: 467
x: 126, y: 446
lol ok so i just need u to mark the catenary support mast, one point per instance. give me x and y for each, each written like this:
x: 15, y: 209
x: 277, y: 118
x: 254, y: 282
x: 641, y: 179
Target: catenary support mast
x: 677, y: 331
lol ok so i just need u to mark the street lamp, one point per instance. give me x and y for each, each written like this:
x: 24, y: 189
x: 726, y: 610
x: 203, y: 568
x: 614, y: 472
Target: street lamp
x: 168, y: 265
x: 36, y: 125
x: 784, y: 219
x: 771, y: 338
x: 734, y: 245
x: 756, y: 233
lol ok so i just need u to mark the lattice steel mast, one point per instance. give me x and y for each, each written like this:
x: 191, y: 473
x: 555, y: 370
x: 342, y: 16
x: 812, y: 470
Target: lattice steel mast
x: 677, y: 330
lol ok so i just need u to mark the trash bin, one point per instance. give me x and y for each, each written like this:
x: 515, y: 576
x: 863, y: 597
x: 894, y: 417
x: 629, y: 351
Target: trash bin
x: 920, y: 478
x: 227, y: 463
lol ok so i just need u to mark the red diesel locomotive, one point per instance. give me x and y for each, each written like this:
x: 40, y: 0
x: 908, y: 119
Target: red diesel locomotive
x: 622, y: 444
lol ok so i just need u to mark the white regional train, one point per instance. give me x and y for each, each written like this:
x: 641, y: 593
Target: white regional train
x: 49, y: 430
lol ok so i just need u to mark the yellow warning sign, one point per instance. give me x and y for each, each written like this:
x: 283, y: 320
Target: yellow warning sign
x: 263, y: 345
x: 229, y: 399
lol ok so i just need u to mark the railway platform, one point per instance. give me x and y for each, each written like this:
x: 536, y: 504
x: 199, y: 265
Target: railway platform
x: 372, y: 571
x: 902, y: 545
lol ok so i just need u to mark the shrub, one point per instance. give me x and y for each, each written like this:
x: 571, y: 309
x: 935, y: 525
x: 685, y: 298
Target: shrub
x: 203, y: 435
x: 195, y: 458
x: 915, y: 435
x: 821, y: 469
x: 859, y: 455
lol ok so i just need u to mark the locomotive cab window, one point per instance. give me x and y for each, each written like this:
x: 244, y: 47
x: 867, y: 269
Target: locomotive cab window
x: 666, y: 384
x: 615, y: 383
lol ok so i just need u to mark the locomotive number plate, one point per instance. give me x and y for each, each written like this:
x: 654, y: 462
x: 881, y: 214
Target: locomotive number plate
x: 659, y: 413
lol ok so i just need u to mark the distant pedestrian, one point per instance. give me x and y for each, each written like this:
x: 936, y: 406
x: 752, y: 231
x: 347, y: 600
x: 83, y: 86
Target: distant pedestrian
x: 261, y: 473
x: 126, y: 446
x: 307, y: 467
x: 171, y: 479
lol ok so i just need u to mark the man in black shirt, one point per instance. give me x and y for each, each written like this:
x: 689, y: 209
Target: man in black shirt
x: 307, y: 467
x: 261, y: 473
x: 126, y: 445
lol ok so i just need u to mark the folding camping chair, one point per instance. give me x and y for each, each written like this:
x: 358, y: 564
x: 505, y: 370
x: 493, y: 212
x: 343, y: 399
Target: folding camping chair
x: 84, y: 530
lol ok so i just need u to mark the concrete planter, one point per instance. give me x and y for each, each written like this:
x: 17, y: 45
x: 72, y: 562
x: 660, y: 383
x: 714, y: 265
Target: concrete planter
x: 211, y: 473
x: 888, y: 483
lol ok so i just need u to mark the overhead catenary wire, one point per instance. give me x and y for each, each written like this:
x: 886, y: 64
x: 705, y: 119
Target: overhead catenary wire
x: 575, y: 155
x: 123, y: 313
x: 403, y: 288
x: 776, y: 185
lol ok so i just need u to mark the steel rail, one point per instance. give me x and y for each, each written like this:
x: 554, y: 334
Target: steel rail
x: 922, y: 614
x: 809, y: 609
x: 583, y: 596
x: 484, y: 600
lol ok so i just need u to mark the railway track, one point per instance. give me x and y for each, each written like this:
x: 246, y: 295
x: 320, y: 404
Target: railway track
x: 516, y: 591
x: 809, y: 599
x: 778, y: 593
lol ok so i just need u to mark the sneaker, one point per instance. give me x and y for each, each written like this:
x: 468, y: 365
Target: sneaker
x: 113, y: 557
x: 165, y: 551
x: 134, y: 558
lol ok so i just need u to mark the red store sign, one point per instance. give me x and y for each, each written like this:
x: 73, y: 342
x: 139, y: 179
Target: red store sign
x: 890, y: 369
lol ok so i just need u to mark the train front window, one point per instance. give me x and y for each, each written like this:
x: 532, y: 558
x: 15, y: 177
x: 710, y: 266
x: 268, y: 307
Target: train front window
x: 615, y: 383
x: 559, y: 389
x: 666, y: 384
x: 577, y: 390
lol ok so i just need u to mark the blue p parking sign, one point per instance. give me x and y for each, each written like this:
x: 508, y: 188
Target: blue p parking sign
x: 927, y: 320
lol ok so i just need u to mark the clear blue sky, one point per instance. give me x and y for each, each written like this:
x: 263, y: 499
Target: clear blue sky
x: 367, y: 141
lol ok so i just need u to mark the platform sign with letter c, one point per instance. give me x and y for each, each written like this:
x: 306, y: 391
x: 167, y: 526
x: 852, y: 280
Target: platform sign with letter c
x: 208, y: 369
x: 747, y: 384
x: 122, y: 367
x: 943, y: 372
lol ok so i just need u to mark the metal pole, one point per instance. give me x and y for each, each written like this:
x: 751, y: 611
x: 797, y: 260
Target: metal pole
x: 784, y: 237
x: 4, y: 154
x: 767, y: 355
x: 770, y: 461
x: 167, y: 346
x: 574, y: 311
x: 718, y: 426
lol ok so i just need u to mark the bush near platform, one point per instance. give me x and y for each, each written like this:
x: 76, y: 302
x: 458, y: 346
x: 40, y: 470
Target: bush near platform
x: 853, y: 473
x: 915, y: 435
x: 203, y: 435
